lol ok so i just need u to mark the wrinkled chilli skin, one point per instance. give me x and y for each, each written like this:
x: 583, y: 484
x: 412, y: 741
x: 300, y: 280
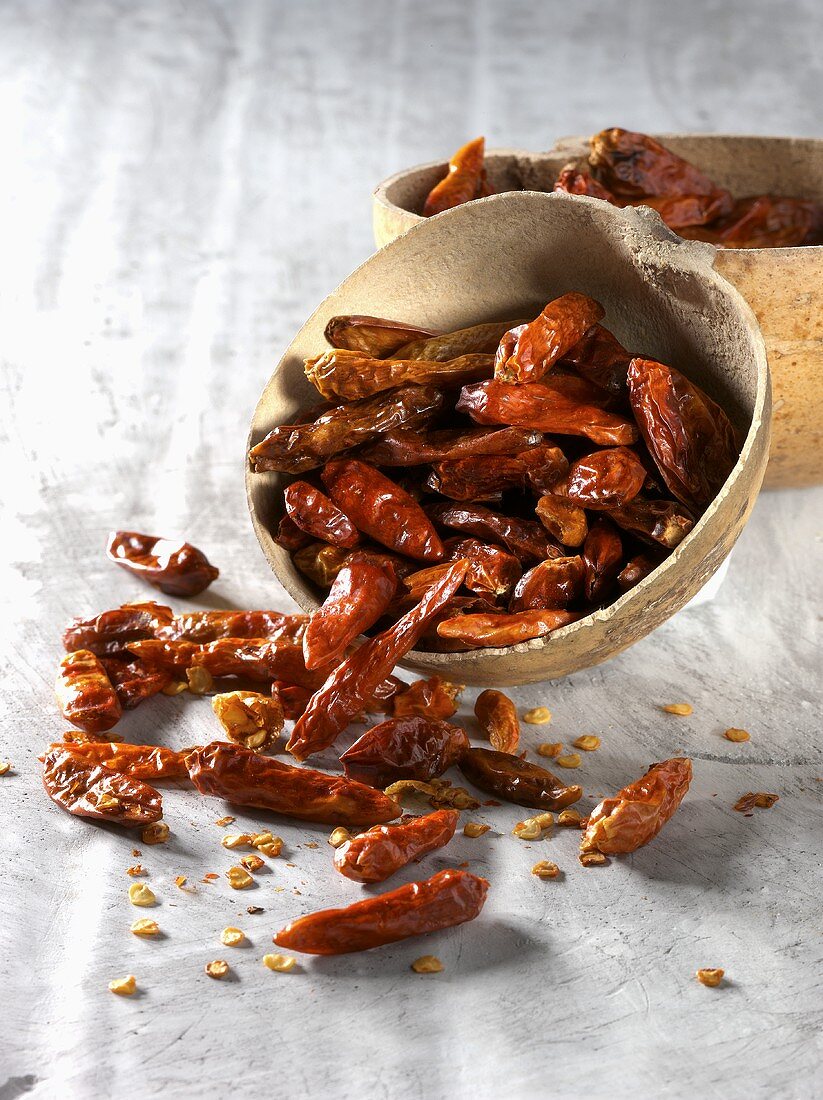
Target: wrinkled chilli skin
x: 481, y: 339
x: 320, y: 562
x: 605, y: 478
x: 635, y: 570
x: 544, y: 408
x: 314, y: 513
x: 377, y: 854
x: 137, y: 761
x: 600, y: 358
x: 246, y: 779
x: 405, y: 448
x: 91, y: 790
x: 360, y: 594
x: 209, y: 626
x: 432, y: 698
x: 106, y: 634
x: 295, y: 448
x: 637, y: 813
x: 655, y: 521
x: 176, y: 568
x: 491, y: 570
x: 355, y: 680
x: 516, y: 780
x: 85, y: 693
x: 689, y: 437
x: 524, y: 538
x: 442, y: 901
x: 497, y: 716
x: 602, y: 557
x: 765, y: 221
x: 411, y: 747
x: 502, y: 628
x: 529, y: 351
x: 132, y: 681
x: 556, y: 582
x: 381, y: 509
x: 372, y: 336
x: 290, y: 536
x: 349, y: 376
x: 563, y: 519
x: 464, y: 181
x: 573, y: 182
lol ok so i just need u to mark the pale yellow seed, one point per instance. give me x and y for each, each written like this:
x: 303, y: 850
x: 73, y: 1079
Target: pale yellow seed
x: 591, y: 859
x: 538, y: 716
x: 236, y: 840
x: 231, y: 937
x: 136, y: 870
x: 223, y: 821
x: 267, y: 844
x: 550, y: 748
x: 427, y: 964
x: 736, y: 735
x: 710, y: 975
x: 569, y: 819
x: 311, y: 844
x: 124, y: 987
x: 339, y: 837
x: 683, y: 709
x: 217, y: 969
x: 5, y: 767
x: 546, y: 869
x: 238, y: 878
x: 570, y: 761
x: 474, y: 829
x: 158, y: 833
x: 106, y: 801
x: 252, y: 863
x: 281, y: 963
x: 527, y: 830
x: 176, y: 687
x: 145, y: 927
x: 200, y: 680
x: 588, y: 742
x: 140, y: 894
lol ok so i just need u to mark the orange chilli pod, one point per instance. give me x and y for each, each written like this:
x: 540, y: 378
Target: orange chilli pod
x: 85, y: 693
x: 90, y: 790
x: 528, y: 352
x: 516, y: 780
x: 137, y: 761
x: 637, y: 813
x: 497, y: 716
x: 176, y: 568
x: 465, y: 180
x: 371, y: 335
x: 314, y: 513
x: 410, y: 747
x: 504, y: 628
x: 377, y: 854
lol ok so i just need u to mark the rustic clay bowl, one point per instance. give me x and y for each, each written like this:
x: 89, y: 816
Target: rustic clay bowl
x: 784, y: 286
x: 506, y: 256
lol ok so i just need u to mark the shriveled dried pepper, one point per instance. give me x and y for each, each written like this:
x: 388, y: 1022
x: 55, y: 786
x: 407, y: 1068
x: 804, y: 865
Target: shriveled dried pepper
x: 432, y: 698
x: 293, y: 698
x: 106, y: 634
x: 360, y: 593
x: 764, y: 221
x: 320, y: 562
x: 249, y: 718
x: 483, y: 631
x: 612, y: 476
x: 635, y: 570
x: 295, y: 448
x: 442, y: 901
x: 354, y: 682
x: 371, y: 335
x: 407, y: 448
x: 136, y: 761
x: 246, y: 779
x: 656, y: 521
x: 600, y: 358
x: 465, y: 179
x: 563, y: 519
x: 411, y: 747
x: 529, y: 351
x: 602, y: 557
x: 176, y: 568
x: 377, y: 854
x: 91, y: 790
x: 349, y: 376
x: 255, y: 658
x: 545, y: 408
x: 482, y: 338
x: 314, y: 513
x: 132, y: 681
x: 490, y: 570
x: 208, y: 626
x: 637, y: 813
x: 498, y: 720
x: 689, y: 437
x: 524, y: 538
x: 574, y: 182
x: 516, y: 780
x: 85, y: 693
x: 556, y: 582
x: 380, y: 508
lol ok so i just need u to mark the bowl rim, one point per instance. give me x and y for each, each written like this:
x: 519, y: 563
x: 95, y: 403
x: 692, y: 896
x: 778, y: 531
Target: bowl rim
x: 651, y: 222
x: 380, y: 194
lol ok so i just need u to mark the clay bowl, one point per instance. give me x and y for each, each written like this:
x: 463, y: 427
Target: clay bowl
x: 506, y: 256
x: 784, y: 286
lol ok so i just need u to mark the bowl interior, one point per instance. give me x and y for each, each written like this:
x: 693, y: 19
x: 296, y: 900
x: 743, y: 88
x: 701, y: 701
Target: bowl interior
x: 506, y: 256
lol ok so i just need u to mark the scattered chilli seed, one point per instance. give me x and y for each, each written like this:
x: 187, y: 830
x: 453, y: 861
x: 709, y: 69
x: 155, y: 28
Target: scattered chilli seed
x: 236, y: 840
x: 158, y: 833
x: 231, y: 937
x: 538, y: 716
x: 532, y: 828
x: 475, y: 829
x: 5, y: 767
x: 140, y: 894
x: 255, y: 909
x: 683, y: 709
x: 311, y: 844
x: 546, y: 869
x: 252, y: 863
x: 736, y: 735
x: 238, y: 878
x: 200, y: 680
x: 176, y: 687
x: 223, y: 821
x: 124, y: 987
x: 570, y: 761
x: 281, y: 963
x: 180, y: 881
x: 569, y: 819
x: 136, y: 870
x: 591, y: 859
x: 712, y: 975
x: 145, y: 927
x: 267, y: 844
x: 427, y: 964
x: 339, y: 837
x: 588, y: 742
x: 217, y: 969
x: 550, y: 748
x: 761, y: 799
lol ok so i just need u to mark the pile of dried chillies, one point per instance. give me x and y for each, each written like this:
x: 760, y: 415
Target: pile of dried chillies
x: 630, y: 169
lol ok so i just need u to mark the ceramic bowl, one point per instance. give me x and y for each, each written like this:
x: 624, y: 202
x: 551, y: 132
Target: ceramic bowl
x: 784, y: 286
x: 506, y: 256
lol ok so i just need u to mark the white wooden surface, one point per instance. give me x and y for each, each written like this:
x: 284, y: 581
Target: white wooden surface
x: 181, y: 183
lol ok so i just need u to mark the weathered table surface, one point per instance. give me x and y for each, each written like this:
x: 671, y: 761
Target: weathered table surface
x: 181, y: 184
